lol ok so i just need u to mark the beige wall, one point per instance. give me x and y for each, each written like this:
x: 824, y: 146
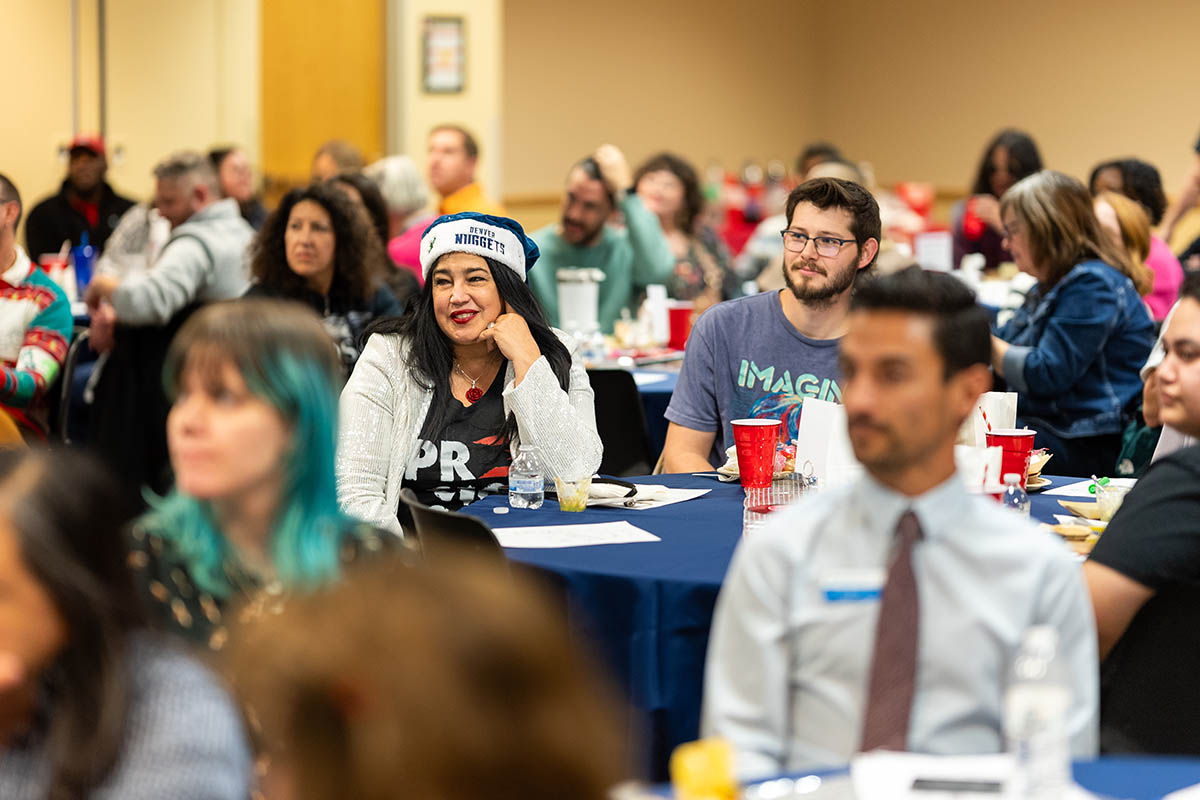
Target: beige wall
x: 412, y: 112
x: 37, y: 116
x: 923, y: 85
x: 179, y: 75
x: 706, y: 78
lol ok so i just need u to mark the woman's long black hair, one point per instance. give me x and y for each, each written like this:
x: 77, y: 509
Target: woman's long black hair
x: 69, y: 522
x: 1023, y: 159
x: 431, y: 358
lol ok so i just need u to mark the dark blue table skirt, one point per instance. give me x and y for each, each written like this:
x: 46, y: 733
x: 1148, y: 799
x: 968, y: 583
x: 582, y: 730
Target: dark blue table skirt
x: 655, y: 399
x: 1130, y: 778
x: 646, y: 608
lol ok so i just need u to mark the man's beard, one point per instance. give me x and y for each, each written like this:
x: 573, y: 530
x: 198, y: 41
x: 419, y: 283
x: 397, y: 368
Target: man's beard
x: 821, y: 295
x: 588, y: 236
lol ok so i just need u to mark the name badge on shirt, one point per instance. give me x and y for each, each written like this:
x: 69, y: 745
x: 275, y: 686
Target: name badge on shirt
x: 852, y: 585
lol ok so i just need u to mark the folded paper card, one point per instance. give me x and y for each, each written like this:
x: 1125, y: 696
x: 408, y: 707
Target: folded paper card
x: 823, y: 446
x: 997, y: 409
x: 539, y: 537
x: 978, y: 466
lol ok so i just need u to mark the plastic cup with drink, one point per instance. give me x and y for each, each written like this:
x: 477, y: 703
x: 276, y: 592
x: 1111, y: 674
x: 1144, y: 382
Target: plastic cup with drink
x: 1017, y: 444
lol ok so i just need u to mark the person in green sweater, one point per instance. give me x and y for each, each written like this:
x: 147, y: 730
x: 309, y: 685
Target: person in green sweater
x: 631, y: 257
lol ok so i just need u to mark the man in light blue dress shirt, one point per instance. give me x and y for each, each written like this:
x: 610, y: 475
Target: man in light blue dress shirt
x: 794, y: 631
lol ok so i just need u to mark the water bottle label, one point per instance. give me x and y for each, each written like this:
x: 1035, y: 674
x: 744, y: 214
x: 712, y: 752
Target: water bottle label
x: 532, y: 483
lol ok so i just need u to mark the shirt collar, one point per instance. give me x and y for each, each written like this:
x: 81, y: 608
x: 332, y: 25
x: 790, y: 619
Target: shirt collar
x: 939, y: 510
x: 19, y: 271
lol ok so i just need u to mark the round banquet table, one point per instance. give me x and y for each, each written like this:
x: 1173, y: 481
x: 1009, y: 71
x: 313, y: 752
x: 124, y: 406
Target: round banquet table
x: 1126, y: 777
x: 646, y: 608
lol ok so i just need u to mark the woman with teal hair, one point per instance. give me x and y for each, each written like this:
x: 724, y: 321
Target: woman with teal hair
x: 251, y: 433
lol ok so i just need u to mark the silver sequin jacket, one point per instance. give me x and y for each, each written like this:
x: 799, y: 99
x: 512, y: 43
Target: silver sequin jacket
x: 383, y: 407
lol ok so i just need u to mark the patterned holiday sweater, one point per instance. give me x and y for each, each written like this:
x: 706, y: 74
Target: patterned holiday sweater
x: 35, y: 329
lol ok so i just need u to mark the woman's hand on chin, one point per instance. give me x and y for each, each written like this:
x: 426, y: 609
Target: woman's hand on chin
x: 510, y: 335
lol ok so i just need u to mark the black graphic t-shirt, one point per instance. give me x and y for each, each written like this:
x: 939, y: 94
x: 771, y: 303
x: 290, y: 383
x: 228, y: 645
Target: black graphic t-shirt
x: 466, y: 459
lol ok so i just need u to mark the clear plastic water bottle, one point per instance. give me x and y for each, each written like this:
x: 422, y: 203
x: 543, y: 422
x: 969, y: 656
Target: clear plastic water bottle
x: 525, y: 486
x: 1014, y: 496
x: 1035, y: 718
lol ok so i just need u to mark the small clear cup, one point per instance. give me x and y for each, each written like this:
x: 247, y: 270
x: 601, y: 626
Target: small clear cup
x: 572, y: 492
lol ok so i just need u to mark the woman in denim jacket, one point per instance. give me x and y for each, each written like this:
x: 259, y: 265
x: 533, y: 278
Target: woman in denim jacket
x: 1073, y: 350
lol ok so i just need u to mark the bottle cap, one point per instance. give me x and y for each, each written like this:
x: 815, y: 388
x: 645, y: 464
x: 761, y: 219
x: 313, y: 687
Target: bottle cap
x: 499, y: 510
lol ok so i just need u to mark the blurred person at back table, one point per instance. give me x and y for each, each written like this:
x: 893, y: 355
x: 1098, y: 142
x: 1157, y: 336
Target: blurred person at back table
x: 334, y: 157
x: 236, y: 179
x: 472, y: 690
x: 975, y: 222
x: 452, y: 158
x: 1072, y: 351
x: 631, y: 257
x: 364, y: 194
x: 85, y: 203
x: 35, y: 326
x: 1140, y: 182
x: 1143, y: 571
x: 318, y: 249
x: 669, y: 189
x: 762, y: 355
x: 405, y: 196
x: 1184, y: 203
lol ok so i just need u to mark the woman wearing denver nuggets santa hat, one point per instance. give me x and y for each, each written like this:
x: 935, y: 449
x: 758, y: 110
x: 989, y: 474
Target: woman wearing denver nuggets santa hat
x: 442, y: 397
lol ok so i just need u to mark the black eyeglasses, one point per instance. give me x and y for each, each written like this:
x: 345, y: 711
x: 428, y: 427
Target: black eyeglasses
x: 826, y: 245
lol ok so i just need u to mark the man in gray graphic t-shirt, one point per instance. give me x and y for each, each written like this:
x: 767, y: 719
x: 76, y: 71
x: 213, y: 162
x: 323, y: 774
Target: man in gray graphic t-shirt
x: 760, y: 356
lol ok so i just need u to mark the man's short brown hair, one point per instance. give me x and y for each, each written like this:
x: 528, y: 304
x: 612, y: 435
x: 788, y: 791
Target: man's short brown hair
x: 468, y: 141
x: 827, y: 193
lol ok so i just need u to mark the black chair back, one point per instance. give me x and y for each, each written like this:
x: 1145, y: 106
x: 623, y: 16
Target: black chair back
x: 621, y: 423
x: 442, y: 533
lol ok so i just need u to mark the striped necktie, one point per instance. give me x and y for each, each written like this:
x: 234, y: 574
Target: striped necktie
x: 894, y: 662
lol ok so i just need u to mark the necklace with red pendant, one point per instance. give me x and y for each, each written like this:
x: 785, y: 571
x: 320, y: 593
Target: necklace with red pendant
x: 474, y: 394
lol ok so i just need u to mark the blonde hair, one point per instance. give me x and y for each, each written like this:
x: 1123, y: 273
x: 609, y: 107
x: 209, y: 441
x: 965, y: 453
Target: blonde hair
x: 1056, y: 211
x: 1134, y: 227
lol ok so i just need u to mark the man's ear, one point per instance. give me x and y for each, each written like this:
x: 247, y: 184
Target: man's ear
x: 967, y: 387
x: 867, y: 252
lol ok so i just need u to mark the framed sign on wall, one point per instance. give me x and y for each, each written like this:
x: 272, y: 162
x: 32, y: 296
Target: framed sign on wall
x: 444, y: 55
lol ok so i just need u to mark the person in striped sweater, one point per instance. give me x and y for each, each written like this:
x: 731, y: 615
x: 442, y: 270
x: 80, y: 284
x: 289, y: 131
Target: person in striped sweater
x: 35, y: 326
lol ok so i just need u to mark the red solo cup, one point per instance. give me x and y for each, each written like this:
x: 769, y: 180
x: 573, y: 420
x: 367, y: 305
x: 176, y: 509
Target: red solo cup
x: 1018, y: 447
x: 755, y: 441
x: 679, y: 319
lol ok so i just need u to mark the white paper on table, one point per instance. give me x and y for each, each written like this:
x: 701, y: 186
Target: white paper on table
x: 934, y: 250
x: 1186, y: 793
x: 1001, y: 410
x: 648, y: 496
x: 1080, y: 488
x: 540, y: 537
x: 823, y: 445
x: 882, y: 775
x: 647, y: 378
x: 978, y: 465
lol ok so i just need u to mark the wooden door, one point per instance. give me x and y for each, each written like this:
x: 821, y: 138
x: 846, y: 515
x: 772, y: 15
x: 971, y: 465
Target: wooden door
x: 322, y: 78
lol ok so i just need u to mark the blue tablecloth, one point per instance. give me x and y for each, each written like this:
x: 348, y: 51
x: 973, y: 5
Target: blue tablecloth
x: 1128, y: 778
x: 656, y: 397
x: 646, y: 608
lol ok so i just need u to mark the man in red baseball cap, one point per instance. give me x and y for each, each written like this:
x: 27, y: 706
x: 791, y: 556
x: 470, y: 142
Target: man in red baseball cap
x: 85, y: 202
